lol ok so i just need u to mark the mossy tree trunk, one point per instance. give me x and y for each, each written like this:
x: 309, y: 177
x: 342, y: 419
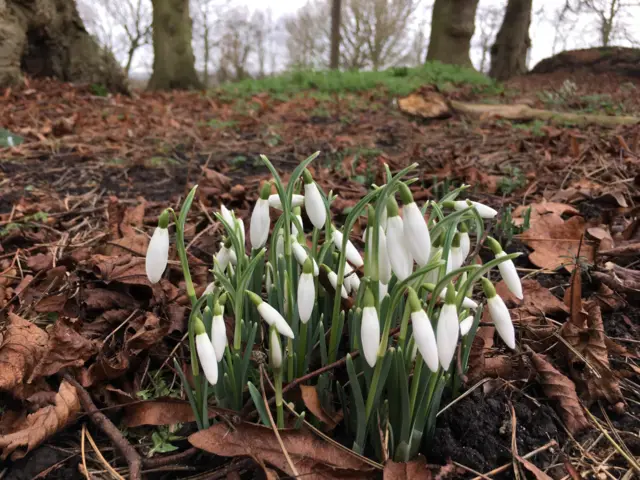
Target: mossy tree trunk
x: 452, y: 26
x: 47, y: 38
x: 173, y: 62
x: 336, y: 8
x: 509, y: 52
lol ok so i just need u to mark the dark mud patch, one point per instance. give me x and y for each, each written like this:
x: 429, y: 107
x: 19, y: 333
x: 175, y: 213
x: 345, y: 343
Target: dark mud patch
x: 476, y: 431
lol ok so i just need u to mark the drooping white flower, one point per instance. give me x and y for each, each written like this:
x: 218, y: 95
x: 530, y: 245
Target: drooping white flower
x: 483, y: 210
x: 351, y: 279
x: 447, y: 331
x: 235, y: 223
x: 218, y: 332
x: 301, y: 256
x: 352, y: 254
x: 466, y: 301
x: 226, y: 255
x: 206, y: 353
x: 333, y: 280
x: 370, y: 330
x: 294, y: 226
x: 209, y: 288
x: 306, y: 292
x: 499, y: 314
x: 280, y: 243
x: 271, y: 315
x: 227, y: 215
x: 433, y: 276
x: 455, y: 259
x: 423, y: 335
x: 260, y: 220
x: 275, y: 349
x: 415, y: 228
x: 465, y: 325
x: 384, y: 265
x: 507, y: 269
x: 465, y: 241
x: 397, y: 249
x: 313, y: 203
x: 158, y: 250
x: 296, y: 201
x: 383, y: 288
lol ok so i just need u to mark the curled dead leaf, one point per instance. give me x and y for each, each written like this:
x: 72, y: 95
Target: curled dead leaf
x: 23, y: 346
x: 41, y: 424
x: 416, y: 469
x: 538, y: 300
x: 312, y: 402
x: 562, y: 391
x: 121, y: 268
x: 163, y: 411
x: 314, y: 458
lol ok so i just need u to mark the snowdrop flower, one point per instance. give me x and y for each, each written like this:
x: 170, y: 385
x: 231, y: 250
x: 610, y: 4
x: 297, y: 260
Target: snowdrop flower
x: 280, y: 243
x: 333, y: 280
x: 313, y: 203
x: 447, y: 330
x: 268, y: 278
x: 499, y: 314
x: 370, y: 330
x: 415, y: 228
x: 466, y: 301
x: 433, y: 276
x: 206, y: 352
x: 384, y: 266
x: 271, y: 315
x: 218, y: 332
x: 306, y: 291
x: 352, y: 254
x: 465, y: 241
x: 275, y: 349
x: 507, y: 269
x: 465, y: 325
x: 235, y: 223
x: 294, y: 226
x: 423, y: 335
x: 483, y: 210
x: 296, y: 201
x: 226, y: 255
x: 301, y: 256
x: 397, y: 249
x: 454, y: 260
x: 158, y: 250
x: 227, y: 216
x: 260, y: 220
x: 351, y: 279
x: 209, y: 288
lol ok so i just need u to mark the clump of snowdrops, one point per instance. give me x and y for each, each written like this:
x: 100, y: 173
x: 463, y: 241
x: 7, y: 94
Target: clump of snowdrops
x: 307, y: 295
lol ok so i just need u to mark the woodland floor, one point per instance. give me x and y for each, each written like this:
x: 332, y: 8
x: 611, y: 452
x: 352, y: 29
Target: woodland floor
x: 80, y: 195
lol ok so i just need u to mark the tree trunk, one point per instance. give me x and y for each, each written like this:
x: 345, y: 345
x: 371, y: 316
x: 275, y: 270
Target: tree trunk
x: 335, y: 34
x: 173, y: 60
x: 47, y: 38
x: 452, y: 26
x: 509, y: 52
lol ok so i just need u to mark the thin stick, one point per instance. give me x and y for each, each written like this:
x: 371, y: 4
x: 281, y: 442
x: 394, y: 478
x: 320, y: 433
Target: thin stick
x: 103, y: 423
x: 273, y: 425
x: 504, y: 467
x: 85, y: 470
x: 170, y: 459
x: 101, y: 457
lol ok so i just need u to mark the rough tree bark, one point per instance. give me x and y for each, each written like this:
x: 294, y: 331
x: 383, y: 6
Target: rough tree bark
x: 509, y: 52
x: 336, y: 6
x: 452, y: 26
x: 47, y: 38
x: 173, y: 61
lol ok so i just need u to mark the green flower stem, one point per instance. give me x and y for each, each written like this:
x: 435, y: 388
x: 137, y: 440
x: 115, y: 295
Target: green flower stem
x: 479, y: 271
x: 375, y: 379
x: 415, y: 383
x: 302, y: 348
x: 404, y: 326
x: 277, y: 380
x: 290, y: 365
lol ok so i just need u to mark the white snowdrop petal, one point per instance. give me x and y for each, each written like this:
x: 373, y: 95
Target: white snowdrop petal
x: 510, y: 276
x: 502, y: 320
x: 306, y: 296
x: 301, y: 256
x: 447, y: 332
x: 465, y: 245
x: 416, y: 234
x: 259, y: 226
x: 352, y: 253
x: 370, y: 335
x: 218, y: 336
x: 483, y: 210
x: 157, y: 254
x: 397, y: 251
x: 333, y: 279
x: 314, y: 205
x: 273, y: 317
x: 465, y: 325
x: 296, y: 201
x: 275, y: 352
x: 425, y: 339
x: 226, y: 215
x: 207, y: 357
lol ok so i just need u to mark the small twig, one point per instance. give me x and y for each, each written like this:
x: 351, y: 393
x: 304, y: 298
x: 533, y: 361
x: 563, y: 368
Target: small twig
x: 504, y: 467
x: 103, y: 423
x: 274, y: 427
x: 101, y: 457
x: 169, y: 459
x: 85, y: 470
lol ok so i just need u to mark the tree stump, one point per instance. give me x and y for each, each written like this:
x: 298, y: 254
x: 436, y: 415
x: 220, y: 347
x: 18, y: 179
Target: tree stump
x: 47, y: 38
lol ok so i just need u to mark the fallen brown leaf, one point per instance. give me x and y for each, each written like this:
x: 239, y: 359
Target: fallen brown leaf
x: 162, y: 411
x: 416, y: 469
x: 65, y: 348
x: 543, y: 208
x: 555, y: 241
x: 23, y: 346
x: 121, y: 268
x: 42, y: 424
x: 537, y: 299
x: 314, y: 458
x: 312, y: 402
x: 562, y: 391
x: 537, y: 473
x: 149, y: 331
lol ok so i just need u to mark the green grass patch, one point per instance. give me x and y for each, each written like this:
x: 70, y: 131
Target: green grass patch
x: 396, y: 81
x: 221, y: 124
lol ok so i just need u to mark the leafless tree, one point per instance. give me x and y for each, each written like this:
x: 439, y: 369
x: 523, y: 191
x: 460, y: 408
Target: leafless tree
x: 488, y: 19
x: 308, y: 35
